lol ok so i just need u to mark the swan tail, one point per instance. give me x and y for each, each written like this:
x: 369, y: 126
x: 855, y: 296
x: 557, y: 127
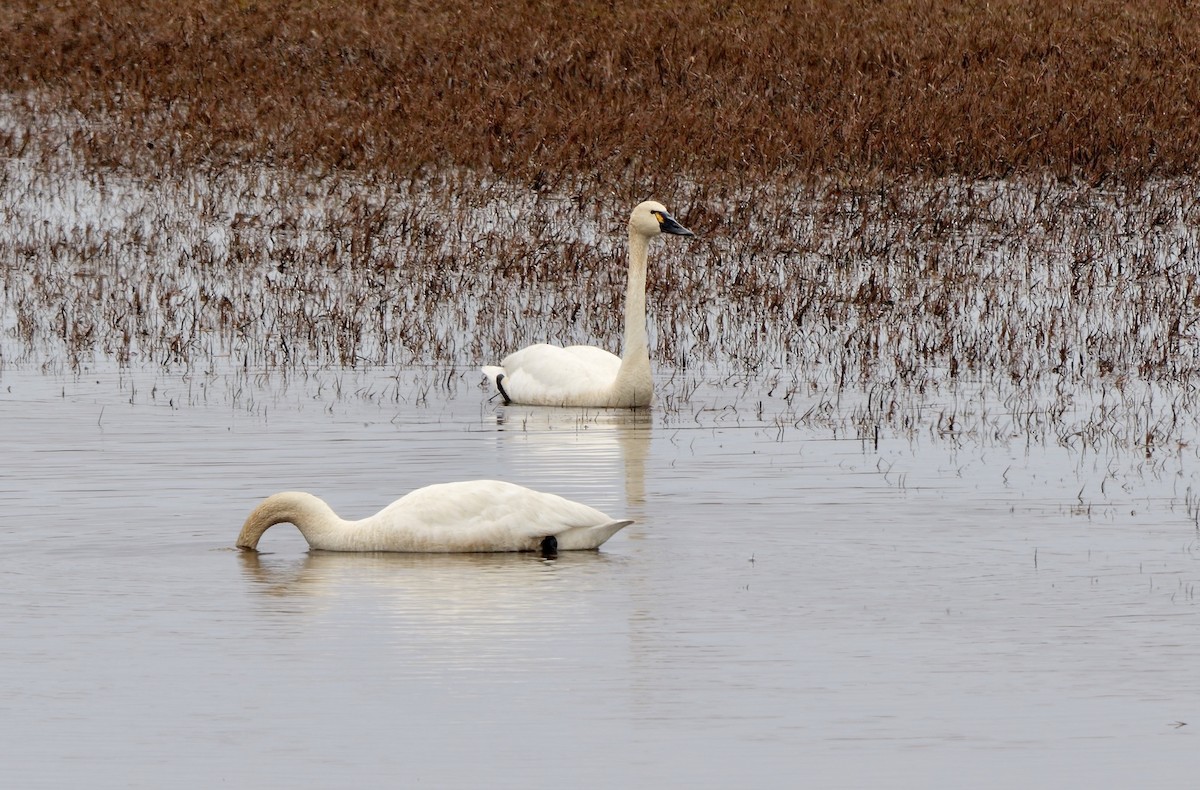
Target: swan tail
x: 591, y: 537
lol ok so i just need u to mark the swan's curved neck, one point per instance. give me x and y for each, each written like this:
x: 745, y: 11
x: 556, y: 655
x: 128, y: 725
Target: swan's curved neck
x: 310, y: 514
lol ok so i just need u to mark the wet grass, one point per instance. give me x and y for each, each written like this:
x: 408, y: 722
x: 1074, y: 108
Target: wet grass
x: 1013, y: 280
x: 1068, y: 314
x: 895, y: 202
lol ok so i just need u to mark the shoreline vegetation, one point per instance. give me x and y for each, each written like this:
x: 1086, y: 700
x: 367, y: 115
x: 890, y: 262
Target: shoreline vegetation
x: 596, y: 97
x: 888, y: 197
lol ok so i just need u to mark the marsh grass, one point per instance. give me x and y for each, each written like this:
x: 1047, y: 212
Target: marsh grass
x: 895, y: 202
x: 1075, y: 307
x: 1016, y: 280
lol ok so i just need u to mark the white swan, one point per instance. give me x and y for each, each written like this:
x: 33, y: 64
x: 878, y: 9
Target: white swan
x: 479, y: 515
x: 546, y: 375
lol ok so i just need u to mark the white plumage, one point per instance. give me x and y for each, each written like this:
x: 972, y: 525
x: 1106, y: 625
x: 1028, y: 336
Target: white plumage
x: 479, y: 515
x: 547, y: 375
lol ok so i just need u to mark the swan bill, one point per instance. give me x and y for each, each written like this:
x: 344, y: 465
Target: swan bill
x: 668, y: 224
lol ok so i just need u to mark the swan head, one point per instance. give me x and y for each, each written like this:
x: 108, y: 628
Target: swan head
x: 652, y: 218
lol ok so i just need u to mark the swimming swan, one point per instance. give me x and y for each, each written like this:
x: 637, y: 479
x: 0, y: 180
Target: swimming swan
x: 479, y: 515
x: 546, y: 375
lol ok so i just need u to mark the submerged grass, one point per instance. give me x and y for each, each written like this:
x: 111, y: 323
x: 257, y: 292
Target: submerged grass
x: 1014, y: 281
x: 891, y: 198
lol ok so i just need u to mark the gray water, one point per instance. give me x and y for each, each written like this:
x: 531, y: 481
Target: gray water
x: 916, y: 505
x: 797, y: 604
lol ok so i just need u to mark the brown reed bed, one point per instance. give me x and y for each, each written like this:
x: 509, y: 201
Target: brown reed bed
x: 969, y: 310
x: 893, y: 199
x: 632, y: 98
x: 1021, y: 281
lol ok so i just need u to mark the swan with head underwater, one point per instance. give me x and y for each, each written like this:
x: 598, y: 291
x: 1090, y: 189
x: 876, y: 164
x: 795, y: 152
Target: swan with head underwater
x: 547, y: 375
x: 477, y: 515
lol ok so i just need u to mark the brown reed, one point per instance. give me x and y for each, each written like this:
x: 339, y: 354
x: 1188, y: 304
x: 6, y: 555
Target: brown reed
x: 891, y: 198
x: 617, y: 96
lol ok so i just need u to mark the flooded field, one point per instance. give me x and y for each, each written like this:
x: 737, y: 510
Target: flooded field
x: 915, y: 505
x: 791, y: 605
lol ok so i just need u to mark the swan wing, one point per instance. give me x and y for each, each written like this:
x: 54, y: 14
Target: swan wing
x: 549, y: 375
x: 595, y: 358
x: 485, y: 515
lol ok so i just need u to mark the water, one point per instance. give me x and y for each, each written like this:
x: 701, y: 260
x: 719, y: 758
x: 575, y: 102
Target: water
x: 795, y: 605
x: 915, y: 506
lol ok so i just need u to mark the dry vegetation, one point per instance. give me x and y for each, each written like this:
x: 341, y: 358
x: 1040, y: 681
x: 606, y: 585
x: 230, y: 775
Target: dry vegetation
x: 891, y: 197
x: 633, y: 97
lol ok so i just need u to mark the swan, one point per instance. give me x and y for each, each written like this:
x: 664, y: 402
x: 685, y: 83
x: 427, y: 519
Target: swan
x: 546, y: 375
x: 478, y: 515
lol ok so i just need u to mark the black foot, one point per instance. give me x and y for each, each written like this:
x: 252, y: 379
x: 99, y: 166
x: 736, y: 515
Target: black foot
x: 549, y: 546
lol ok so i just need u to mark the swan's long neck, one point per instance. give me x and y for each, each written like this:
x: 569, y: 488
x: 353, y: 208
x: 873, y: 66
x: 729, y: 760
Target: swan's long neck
x: 310, y: 514
x: 635, y: 297
x: 634, y: 386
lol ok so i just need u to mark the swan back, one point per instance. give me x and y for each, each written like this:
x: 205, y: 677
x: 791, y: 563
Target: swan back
x: 555, y: 376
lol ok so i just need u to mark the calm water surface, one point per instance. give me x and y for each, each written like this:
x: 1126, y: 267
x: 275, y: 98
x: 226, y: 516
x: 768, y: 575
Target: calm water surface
x: 791, y: 608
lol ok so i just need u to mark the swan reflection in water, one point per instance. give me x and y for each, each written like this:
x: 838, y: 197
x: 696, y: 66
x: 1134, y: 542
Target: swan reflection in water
x: 588, y: 448
x: 499, y: 593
